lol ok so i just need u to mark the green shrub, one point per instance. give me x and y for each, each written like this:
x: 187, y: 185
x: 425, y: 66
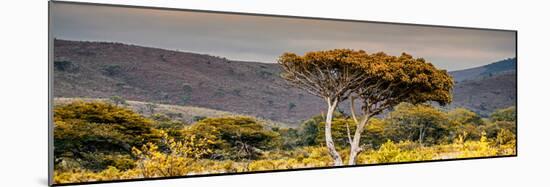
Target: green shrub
x: 82, y: 129
x: 422, y: 123
x: 506, y: 114
x: 117, y: 100
x: 112, y: 70
x: 65, y: 66
x: 373, y: 135
x: 235, y: 137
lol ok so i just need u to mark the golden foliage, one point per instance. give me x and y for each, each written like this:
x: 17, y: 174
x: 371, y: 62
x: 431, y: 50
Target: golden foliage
x: 153, y: 163
x: 193, y: 151
x: 377, y: 78
x: 391, y: 152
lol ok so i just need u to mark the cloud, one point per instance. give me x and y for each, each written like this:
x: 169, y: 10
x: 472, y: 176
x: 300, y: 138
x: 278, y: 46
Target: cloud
x: 263, y: 39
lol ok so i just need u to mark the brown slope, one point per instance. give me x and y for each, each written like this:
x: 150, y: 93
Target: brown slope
x: 101, y: 70
x: 486, y: 94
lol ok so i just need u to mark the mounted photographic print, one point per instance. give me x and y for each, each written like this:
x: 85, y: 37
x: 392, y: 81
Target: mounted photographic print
x: 140, y: 93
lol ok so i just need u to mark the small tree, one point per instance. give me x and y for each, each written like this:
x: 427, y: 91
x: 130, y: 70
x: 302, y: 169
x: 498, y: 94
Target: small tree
x: 117, y: 100
x: 151, y: 107
x: 235, y: 137
x: 421, y: 123
x: 291, y: 106
x: 186, y: 94
x: 331, y: 75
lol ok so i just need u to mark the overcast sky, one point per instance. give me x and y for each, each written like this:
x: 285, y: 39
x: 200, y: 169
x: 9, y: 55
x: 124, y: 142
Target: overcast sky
x: 263, y: 39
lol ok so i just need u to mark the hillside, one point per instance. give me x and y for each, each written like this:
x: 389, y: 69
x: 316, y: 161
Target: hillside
x: 102, y: 70
x: 486, y: 94
x: 496, y: 68
x: 486, y: 88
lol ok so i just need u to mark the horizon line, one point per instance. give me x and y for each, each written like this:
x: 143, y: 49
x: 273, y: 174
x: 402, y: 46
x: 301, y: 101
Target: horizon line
x: 223, y: 57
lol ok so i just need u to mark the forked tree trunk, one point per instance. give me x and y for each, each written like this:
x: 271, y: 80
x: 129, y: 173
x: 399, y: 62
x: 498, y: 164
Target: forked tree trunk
x: 328, y: 133
x: 355, y: 149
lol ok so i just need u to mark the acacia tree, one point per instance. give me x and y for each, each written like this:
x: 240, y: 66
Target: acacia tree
x: 331, y: 75
x: 381, y: 81
x: 390, y: 80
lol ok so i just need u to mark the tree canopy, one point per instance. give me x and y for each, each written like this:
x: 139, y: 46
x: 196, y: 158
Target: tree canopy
x: 328, y: 74
x: 381, y: 80
x: 395, y: 79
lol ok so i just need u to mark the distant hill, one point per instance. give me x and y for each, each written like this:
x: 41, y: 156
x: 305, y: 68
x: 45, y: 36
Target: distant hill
x: 486, y: 88
x: 103, y: 69
x: 503, y: 66
x: 485, y: 94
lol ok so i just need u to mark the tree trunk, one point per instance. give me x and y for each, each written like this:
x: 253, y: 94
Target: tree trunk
x: 355, y: 149
x: 421, y: 134
x: 328, y: 133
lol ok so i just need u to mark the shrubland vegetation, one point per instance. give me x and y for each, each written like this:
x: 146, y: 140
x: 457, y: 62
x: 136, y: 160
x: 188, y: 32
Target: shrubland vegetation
x: 397, y: 122
x: 97, y: 141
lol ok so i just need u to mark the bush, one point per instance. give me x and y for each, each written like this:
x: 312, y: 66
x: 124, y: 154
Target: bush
x: 65, y: 66
x: 506, y: 114
x: 464, y: 122
x: 164, y: 122
x: 506, y: 142
x: 290, y: 137
x: 112, y: 69
x: 481, y: 148
x: 177, y: 159
x: 235, y: 137
x: 308, y: 131
x: 391, y: 152
x: 422, y: 123
x: 98, y: 141
x: 291, y: 106
x: 117, y: 100
x: 83, y: 129
x: 198, y: 118
x: 493, y: 128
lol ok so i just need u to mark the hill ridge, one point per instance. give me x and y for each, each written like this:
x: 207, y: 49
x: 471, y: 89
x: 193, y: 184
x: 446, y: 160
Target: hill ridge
x: 104, y: 69
x: 501, y: 66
